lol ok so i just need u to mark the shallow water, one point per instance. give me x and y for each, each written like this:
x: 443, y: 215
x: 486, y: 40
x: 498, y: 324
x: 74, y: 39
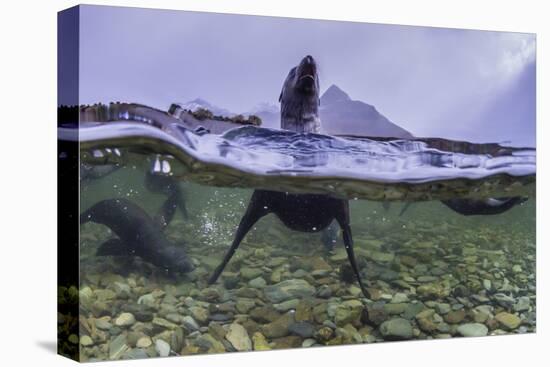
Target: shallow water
x: 431, y: 272
x: 362, y: 168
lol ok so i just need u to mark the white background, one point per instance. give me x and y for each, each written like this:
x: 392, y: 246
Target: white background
x: 28, y: 181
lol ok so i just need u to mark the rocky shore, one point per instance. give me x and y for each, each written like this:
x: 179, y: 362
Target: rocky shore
x: 281, y: 290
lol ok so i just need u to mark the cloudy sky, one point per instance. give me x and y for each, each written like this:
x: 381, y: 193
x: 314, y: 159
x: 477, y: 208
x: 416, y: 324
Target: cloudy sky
x: 458, y: 84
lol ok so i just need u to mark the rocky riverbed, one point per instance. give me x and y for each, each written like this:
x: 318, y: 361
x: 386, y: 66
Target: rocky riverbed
x: 427, y: 279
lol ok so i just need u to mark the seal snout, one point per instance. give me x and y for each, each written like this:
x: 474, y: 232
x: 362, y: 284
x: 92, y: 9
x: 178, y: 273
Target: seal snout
x: 309, y: 59
x: 306, y: 75
x: 307, y: 68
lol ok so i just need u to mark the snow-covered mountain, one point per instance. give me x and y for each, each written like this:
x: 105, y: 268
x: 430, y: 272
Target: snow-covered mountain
x: 269, y: 112
x: 265, y: 107
x: 339, y: 115
x: 201, y: 103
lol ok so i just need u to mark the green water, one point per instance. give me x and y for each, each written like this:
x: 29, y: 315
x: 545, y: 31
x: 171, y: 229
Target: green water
x: 432, y: 273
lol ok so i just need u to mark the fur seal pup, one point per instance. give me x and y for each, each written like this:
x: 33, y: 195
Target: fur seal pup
x: 300, y: 212
x: 300, y: 102
x: 300, y: 98
x: 138, y: 235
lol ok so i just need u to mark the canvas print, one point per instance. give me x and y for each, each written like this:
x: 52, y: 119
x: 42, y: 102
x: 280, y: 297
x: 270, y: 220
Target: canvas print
x: 232, y: 183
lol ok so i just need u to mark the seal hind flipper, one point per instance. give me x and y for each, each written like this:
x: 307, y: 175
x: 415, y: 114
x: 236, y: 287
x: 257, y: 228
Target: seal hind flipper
x: 114, y: 247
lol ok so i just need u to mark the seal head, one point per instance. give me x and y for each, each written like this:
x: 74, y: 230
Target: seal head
x: 300, y: 98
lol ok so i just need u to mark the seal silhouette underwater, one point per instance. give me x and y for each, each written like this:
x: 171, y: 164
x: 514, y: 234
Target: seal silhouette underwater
x: 138, y: 235
x: 489, y: 206
x: 158, y: 180
x: 469, y: 207
x: 300, y: 212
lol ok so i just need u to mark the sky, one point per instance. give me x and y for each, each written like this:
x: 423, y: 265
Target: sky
x: 457, y: 84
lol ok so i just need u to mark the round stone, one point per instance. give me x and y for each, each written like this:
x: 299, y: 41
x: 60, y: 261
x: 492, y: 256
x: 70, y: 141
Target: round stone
x: 260, y: 342
x: 508, y: 321
x: 292, y: 288
x: 189, y: 323
x: 399, y: 298
x: 522, y: 304
x: 103, y: 324
x: 162, y: 348
x: 443, y: 308
x: 472, y: 329
x: 396, y: 329
x: 125, y: 319
x: 86, y: 341
x: 258, y: 283
x: 238, y: 337
x: 455, y: 317
x: 199, y: 314
x: 144, y: 342
x: 303, y: 329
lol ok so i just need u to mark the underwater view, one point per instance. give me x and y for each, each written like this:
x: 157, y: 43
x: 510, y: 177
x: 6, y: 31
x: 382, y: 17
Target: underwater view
x: 430, y: 274
x: 150, y: 241
x: 316, y: 220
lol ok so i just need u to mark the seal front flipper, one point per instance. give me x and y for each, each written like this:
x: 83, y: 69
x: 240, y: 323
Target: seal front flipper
x: 257, y: 208
x: 114, y: 247
x: 342, y: 216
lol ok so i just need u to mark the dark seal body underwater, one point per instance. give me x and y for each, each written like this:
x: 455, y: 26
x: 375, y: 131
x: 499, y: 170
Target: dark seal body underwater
x: 299, y: 212
x: 138, y: 235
